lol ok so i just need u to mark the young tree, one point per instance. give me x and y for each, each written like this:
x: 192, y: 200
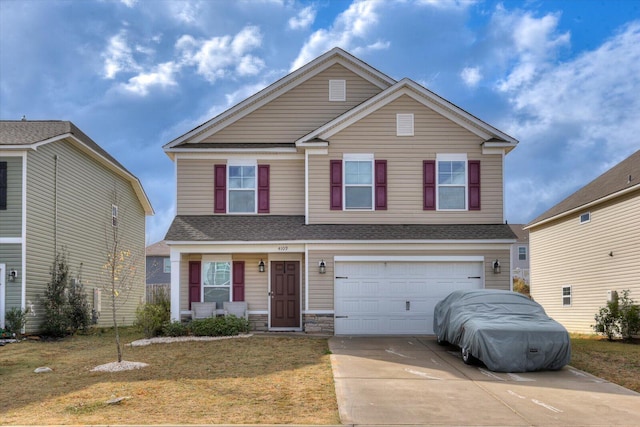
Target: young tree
x: 55, y: 301
x: 119, y: 271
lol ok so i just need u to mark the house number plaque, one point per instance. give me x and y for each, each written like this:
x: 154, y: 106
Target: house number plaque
x: 283, y: 248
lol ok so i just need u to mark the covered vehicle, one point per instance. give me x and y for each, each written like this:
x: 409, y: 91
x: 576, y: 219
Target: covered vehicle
x: 505, y: 330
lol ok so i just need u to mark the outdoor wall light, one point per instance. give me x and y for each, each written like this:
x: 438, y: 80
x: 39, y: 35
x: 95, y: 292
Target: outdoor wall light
x: 496, y: 267
x: 12, y: 275
x: 322, y: 267
x: 261, y: 266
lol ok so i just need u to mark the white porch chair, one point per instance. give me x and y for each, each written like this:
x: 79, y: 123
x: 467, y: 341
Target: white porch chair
x: 237, y: 308
x: 202, y: 310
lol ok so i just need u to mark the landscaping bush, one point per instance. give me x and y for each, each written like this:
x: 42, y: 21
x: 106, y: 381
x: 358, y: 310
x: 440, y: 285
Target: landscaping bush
x: 78, y: 310
x: 219, y: 326
x: 150, y: 318
x: 56, y: 322
x: 620, y: 318
x: 175, y: 329
x: 16, y: 320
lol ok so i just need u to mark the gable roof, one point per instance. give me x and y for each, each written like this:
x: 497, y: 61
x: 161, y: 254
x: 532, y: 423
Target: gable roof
x: 30, y: 134
x: 493, y: 137
x: 521, y: 234
x: 158, y: 249
x: 285, y: 84
x: 282, y: 228
x: 617, y: 181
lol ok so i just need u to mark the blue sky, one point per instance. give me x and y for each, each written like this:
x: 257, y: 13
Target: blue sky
x: 563, y: 77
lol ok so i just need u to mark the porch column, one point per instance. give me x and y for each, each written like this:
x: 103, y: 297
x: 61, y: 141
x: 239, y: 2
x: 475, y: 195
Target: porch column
x: 175, y: 284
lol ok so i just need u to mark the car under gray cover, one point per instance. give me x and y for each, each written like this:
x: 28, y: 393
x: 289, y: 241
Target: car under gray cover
x: 505, y: 330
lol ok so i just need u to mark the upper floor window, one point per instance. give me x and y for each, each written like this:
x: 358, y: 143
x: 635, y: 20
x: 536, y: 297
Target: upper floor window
x: 114, y: 215
x: 452, y: 181
x: 522, y: 253
x: 166, y: 265
x: 3, y: 185
x: 358, y: 181
x: 242, y: 188
x: 585, y: 217
x: 566, y: 296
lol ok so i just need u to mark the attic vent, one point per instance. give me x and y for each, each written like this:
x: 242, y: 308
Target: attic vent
x: 337, y: 90
x: 404, y: 124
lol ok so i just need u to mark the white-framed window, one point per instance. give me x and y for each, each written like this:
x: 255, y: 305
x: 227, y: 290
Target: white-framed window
x: 114, y: 215
x: 585, y: 217
x: 522, y: 253
x: 337, y: 90
x: 166, y: 265
x: 451, y: 173
x: 404, y: 124
x: 358, y: 181
x: 241, y: 187
x: 566, y: 296
x: 216, y: 281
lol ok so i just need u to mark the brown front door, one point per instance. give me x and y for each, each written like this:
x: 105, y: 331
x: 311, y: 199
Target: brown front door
x: 285, y: 294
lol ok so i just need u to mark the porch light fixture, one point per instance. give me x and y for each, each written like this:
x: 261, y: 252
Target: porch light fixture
x: 12, y: 275
x: 322, y: 267
x: 261, y: 266
x: 496, y: 267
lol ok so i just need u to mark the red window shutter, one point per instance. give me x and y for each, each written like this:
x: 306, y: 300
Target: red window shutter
x: 220, y: 189
x: 429, y: 184
x: 336, y: 184
x: 381, y: 184
x: 474, y: 185
x: 238, y: 280
x: 194, y: 282
x: 263, y: 188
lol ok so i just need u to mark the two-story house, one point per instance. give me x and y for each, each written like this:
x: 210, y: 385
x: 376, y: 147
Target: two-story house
x: 158, y: 275
x: 61, y: 192
x: 339, y: 200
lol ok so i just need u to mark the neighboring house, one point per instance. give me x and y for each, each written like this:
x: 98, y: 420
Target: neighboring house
x: 60, y: 191
x: 587, y: 246
x: 338, y: 200
x: 158, y: 269
x: 520, y: 253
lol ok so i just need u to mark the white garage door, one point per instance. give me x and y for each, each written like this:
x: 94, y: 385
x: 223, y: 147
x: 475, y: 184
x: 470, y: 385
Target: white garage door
x: 383, y: 298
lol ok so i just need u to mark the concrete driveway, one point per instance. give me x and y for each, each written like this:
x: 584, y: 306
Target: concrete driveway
x: 414, y: 381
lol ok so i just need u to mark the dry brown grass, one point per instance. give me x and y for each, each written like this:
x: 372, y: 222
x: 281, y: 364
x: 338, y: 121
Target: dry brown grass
x: 262, y: 379
x: 616, y: 361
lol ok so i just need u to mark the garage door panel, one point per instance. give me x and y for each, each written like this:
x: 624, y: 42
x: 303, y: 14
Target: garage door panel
x: 371, y: 297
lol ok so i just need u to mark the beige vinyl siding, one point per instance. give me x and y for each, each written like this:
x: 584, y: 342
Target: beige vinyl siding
x: 11, y: 257
x: 321, y: 285
x: 85, y: 194
x: 567, y: 253
x: 434, y: 134
x: 11, y: 218
x: 196, y: 180
x: 298, y: 111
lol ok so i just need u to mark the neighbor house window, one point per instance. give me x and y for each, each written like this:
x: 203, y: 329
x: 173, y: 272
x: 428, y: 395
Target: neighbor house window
x: 216, y: 282
x: 358, y: 181
x: 242, y: 188
x: 166, y: 267
x: 452, y: 181
x: 585, y: 217
x: 114, y: 215
x: 566, y: 295
x: 522, y: 253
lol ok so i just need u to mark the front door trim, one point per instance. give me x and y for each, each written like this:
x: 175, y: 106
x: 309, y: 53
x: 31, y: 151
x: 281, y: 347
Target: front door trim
x: 297, y: 258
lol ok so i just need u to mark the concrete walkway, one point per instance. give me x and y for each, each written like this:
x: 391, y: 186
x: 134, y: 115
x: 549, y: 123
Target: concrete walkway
x: 413, y: 381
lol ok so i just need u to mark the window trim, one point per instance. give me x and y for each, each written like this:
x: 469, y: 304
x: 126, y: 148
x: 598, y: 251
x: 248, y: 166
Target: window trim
x: 358, y: 158
x: 525, y: 253
x: 569, y: 296
x: 584, y: 220
x: 445, y: 157
x: 244, y: 163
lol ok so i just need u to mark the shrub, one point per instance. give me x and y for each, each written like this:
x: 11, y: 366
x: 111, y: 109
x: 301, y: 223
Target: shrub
x: 78, y: 310
x: 175, y: 329
x: 56, y: 322
x: 16, y: 320
x: 620, y: 318
x: 150, y: 319
x: 519, y: 285
x: 219, y: 326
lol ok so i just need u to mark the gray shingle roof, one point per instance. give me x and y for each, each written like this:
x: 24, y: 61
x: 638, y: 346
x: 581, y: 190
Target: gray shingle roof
x: 241, y: 228
x: 624, y: 175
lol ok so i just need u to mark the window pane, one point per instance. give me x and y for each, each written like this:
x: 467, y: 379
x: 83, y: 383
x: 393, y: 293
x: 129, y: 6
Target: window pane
x: 167, y: 265
x: 218, y: 295
x: 242, y: 176
x: 217, y: 274
x: 522, y: 253
x: 451, y: 173
x: 358, y: 197
x: 242, y: 201
x: 358, y: 172
x: 451, y: 197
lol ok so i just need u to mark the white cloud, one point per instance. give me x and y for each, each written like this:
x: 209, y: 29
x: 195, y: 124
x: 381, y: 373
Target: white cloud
x: 118, y: 56
x: 448, y: 4
x: 304, y: 19
x: 162, y: 76
x: 129, y: 3
x: 185, y: 12
x: 471, y: 76
x: 354, y: 23
x: 215, y: 58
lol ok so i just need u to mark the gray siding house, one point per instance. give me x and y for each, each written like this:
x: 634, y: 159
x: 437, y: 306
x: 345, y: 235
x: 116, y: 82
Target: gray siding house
x: 338, y: 200
x: 59, y: 190
x: 158, y: 268
x: 520, y: 253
